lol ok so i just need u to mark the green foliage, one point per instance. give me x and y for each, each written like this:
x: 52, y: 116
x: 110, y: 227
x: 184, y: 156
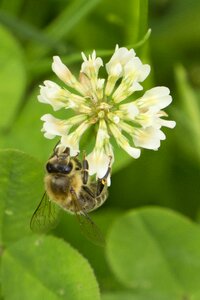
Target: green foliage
x: 95, y: 255
x: 49, y: 268
x: 12, y: 74
x: 139, y: 296
x: 189, y: 115
x: 151, y: 253
x: 156, y: 250
x: 20, y: 190
x: 48, y: 264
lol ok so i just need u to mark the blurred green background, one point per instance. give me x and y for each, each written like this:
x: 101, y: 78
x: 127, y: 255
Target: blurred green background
x: 31, y: 32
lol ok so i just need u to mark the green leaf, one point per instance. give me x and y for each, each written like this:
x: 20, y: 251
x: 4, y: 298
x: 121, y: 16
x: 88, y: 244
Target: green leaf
x: 120, y: 296
x: 19, y: 136
x: 155, y: 249
x: 128, y: 295
x: 45, y: 267
x: 180, y: 15
x: 95, y: 255
x: 122, y: 159
x: 69, y: 17
x: 189, y: 115
x: 28, y: 32
x: 65, y: 22
x: 111, y: 18
x: 43, y: 65
x: 12, y: 76
x: 25, y: 31
x: 136, y: 23
x: 21, y: 189
x: 13, y: 6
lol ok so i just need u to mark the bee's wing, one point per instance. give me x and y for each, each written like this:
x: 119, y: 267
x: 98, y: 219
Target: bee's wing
x: 46, y: 215
x: 89, y: 229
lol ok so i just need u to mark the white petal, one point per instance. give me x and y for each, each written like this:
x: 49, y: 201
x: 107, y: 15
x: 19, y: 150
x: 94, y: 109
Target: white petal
x: 54, y: 127
x: 114, y: 70
x: 148, y: 138
x: 130, y: 109
x: 61, y: 70
x: 100, y: 83
x: 162, y: 136
x: 98, y: 162
x: 98, y: 62
x: 48, y: 91
x: 84, y: 56
x: 118, y: 60
x: 123, y: 141
x: 134, y: 152
x: 71, y: 142
x: 157, y: 97
x: 135, y: 87
x: 47, y: 117
x: 167, y: 123
x: 91, y: 65
x: 93, y: 55
x: 144, y: 72
x: 116, y: 119
x: 49, y: 136
x: 51, y: 93
x: 102, y: 134
x: 123, y: 55
x: 136, y: 70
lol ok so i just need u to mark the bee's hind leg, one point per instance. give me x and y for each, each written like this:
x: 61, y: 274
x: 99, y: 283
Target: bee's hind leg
x: 85, y: 169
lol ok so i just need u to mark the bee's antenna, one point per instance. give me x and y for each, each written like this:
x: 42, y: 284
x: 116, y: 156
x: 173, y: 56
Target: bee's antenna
x: 55, y: 150
x: 77, y: 154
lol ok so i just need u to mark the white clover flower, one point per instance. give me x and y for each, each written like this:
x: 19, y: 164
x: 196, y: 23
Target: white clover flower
x: 72, y: 139
x: 53, y: 127
x: 51, y: 93
x: 102, y: 153
x: 97, y: 102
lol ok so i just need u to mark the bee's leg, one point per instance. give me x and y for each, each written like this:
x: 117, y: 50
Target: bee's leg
x: 102, y: 181
x: 89, y: 191
x: 75, y: 200
x: 85, y: 168
x: 55, y: 150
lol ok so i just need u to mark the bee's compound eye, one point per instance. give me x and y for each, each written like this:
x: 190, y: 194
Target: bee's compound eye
x: 49, y: 167
x: 67, y: 168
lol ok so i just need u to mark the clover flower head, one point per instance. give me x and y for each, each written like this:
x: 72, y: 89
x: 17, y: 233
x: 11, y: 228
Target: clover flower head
x: 109, y: 105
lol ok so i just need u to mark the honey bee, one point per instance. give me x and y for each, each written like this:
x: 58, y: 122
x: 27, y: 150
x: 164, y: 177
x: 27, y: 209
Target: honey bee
x: 68, y: 187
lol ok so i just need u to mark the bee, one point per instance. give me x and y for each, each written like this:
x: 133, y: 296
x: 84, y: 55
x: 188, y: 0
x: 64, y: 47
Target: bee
x: 68, y: 187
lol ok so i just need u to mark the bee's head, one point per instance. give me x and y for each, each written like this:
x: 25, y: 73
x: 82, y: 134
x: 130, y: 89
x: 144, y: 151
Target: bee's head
x: 60, y: 164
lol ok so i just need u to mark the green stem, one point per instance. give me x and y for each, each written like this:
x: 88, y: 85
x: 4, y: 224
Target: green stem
x: 137, y: 21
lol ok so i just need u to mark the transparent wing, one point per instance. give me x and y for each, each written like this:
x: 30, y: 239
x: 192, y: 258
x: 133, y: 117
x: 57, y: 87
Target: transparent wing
x: 88, y: 228
x: 46, y: 215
